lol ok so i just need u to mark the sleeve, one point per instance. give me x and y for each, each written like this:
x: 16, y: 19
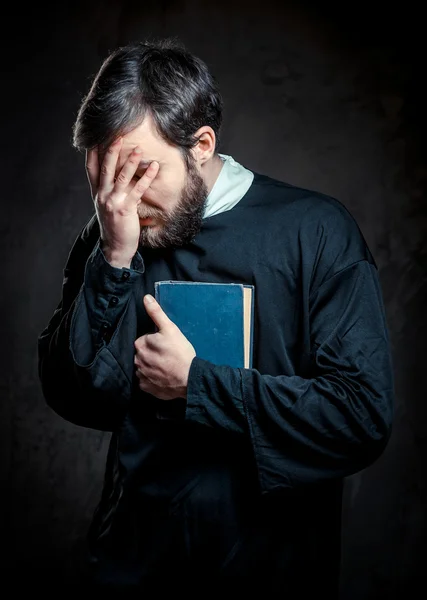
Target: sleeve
x: 85, y: 354
x: 330, y: 424
x: 105, y: 294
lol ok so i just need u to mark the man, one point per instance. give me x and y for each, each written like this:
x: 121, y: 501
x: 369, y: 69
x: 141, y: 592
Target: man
x: 214, y: 474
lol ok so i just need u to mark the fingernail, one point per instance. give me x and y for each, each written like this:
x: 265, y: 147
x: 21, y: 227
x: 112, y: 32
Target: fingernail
x: 138, y: 150
x: 149, y: 298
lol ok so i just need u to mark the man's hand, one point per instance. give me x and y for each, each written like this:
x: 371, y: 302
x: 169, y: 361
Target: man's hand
x: 163, y: 359
x: 116, y: 200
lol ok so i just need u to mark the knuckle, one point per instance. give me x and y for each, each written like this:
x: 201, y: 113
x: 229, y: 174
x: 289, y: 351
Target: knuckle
x: 142, y: 343
x: 151, y: 343
x: 140, y: 187
x: 122, y: 178
x: 104, y: 170
x: 109, y: 206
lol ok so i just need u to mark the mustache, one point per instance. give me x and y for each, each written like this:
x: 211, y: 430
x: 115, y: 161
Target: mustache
x: 144, y: 214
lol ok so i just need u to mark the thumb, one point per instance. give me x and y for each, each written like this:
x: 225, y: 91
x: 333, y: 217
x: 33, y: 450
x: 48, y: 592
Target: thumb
x: 156, y: 312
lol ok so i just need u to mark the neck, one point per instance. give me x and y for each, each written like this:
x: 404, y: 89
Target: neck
x: 211, y: 171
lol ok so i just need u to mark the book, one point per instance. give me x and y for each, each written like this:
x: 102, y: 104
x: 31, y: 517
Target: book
x: 217, y: 318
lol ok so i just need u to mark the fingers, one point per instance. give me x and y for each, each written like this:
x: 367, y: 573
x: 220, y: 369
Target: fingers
x: 109, y: 164
x: 156, y: 312
x: 140, y: 374
x: 92, y: 169
x: 139, y: 360
x: 144, y: 182
x: 128, y: 170
x: 141, y: 368
x: 108, y: 181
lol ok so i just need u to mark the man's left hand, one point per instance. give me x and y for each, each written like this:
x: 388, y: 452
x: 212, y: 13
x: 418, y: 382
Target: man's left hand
x: 163, y: 359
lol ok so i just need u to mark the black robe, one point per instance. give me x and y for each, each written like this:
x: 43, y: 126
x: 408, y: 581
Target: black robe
x: 242, y: 482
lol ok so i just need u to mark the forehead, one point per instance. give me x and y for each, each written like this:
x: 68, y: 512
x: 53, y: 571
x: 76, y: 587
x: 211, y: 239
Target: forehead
x: 149, y: 141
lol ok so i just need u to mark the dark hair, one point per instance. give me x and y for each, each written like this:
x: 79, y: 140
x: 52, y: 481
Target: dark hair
x: 157, y: 77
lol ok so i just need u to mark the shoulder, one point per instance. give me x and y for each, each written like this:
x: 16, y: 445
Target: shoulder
x: 327, y: 232
x: 308, y: 206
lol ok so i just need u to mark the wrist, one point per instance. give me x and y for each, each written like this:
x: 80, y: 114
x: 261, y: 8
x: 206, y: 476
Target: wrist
x: 184, y: 387
x: 117, y: 259
x: 182, y: 392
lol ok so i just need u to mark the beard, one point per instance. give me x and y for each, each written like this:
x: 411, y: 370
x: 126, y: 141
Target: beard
x: 182, y: 224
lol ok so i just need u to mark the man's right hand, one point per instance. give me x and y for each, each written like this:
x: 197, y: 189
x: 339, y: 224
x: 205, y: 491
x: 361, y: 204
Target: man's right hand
x: 116, y: 205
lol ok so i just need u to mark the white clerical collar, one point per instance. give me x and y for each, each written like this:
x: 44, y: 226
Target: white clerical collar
x: 231, y: 185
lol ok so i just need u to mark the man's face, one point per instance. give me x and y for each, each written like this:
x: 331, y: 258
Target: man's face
x: 176, y: 199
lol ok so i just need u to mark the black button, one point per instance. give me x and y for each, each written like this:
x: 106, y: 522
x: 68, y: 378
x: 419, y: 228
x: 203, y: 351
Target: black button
x: 126, y: 275
x: 105, y: 326
x: 114, y: 300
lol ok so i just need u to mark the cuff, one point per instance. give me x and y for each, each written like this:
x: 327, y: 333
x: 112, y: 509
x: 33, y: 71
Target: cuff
x: 214, y: 396
x: 107, y: 290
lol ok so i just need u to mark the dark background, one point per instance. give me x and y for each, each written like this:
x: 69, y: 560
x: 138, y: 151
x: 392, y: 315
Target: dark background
x: 326, y: 97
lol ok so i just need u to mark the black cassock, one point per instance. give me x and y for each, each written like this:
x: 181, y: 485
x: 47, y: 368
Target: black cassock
x: 242, y: 483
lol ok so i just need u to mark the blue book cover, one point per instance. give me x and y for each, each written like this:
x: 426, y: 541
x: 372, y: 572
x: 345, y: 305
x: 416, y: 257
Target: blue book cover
x: 217, y: 318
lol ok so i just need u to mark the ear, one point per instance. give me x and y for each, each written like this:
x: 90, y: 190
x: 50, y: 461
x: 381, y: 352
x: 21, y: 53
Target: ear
x: 205, y: 147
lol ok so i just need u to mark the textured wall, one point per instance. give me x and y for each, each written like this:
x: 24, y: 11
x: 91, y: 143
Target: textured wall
x: 325, y: 100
